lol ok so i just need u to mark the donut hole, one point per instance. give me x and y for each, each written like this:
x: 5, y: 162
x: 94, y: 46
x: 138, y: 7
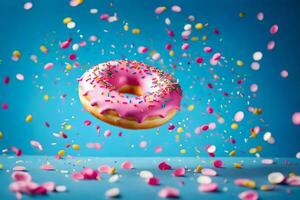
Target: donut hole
x: 131, y: 90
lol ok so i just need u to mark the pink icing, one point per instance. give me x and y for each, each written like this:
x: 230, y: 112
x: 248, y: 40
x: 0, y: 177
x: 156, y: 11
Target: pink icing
x: 161, y: 92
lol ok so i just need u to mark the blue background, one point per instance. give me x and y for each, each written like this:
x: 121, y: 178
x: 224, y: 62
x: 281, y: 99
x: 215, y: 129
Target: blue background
x: 239, y: 38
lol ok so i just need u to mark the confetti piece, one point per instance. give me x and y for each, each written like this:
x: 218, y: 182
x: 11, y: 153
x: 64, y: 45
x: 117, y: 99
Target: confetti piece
x: 260, y: 16
x: 87, y: 122
x: 107, y: 133
x: 179, y: 171
x: 239, y: 116
x: 4, y: 106
x: 257, y: 56
x: 27, y: 5
x: 153, y: 181
x: 76, y: 147
x: 127, y: 165
x: 136, y: 31
x: 204, y: 179
x: 19, y: 168
x: 74, y: 3
x: 169, y: 192
x: 293, y: 181
x: 142, y: 49
x: 146, y: 174
x: 61, y: 188
x: 274, y: 29
x: 245, y: 182
x: 28, y: 118
x: 296, y: 118
x: 47, y: 167
x: 248, y: 195
x: 267, y: 161
x: 21, y: 176
x: 48, y: 66
x: 266, y: 187
x: 199, y: 26
x: 218, y: 163
x: 164, y: 166
x: 113, y: 192
x: 208, y: 187
x: 61, y: 153
x: 36, y: 144
x: 160, y: 9
x: 176, y: 8
x: 1, y: 135
x: 276, y: 178
x: 20, y: 77
x: 208, y: 172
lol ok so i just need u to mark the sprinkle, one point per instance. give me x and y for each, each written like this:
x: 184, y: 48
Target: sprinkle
x: 179, y: 171
x: 245, y: 182
x: 239, y: 116
x: 218, y: 163
x: 176, y: 8
x: 113, y: 192
x: 257, y: 55
x: 146, y: 174
x: 296, y: 118
x: 169, y: 192
x: 46, y: 97
x: 198, y: 169
x: 28, y: 118
x: 36, y: 144
x: 160, y: 9
x: 276, y: 178
x: 27, y: 5
x: 136, y: 31
x: 127, y: 165
x: 87, y: 122
x: 61, y: 153
x: 274, y: 29
x: 76, y: 147
x: 208, y: 172
x: 298, y: 155
x: 204, y: 179
x: 48, y: 66
x: 164, y: 166
x: 208, y: 187
x: 153, y: 181
x: 248, y: 195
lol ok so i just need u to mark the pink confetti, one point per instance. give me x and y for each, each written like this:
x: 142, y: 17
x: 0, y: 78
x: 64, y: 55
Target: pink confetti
x: 105, y: 169
x: 293, y: 180
x: 87, y: 122
x: 159, y: 10
x: 218, y: 163
x: 94, y: 145
x: 169, y: 192
x: 296, y: 118
x: 6, y: 80
x: 48, y: 66
x: 153, y: 181
x: 271, y: 45
x: 176, y: 8
x: 199, y: 60
x: 47, y: 167
x: 142, y: 49
x: 260, y: 16
x: 21, y: 176
x: 208, y: 172
x: 284, y: 74
x: 158, y: 149
x: 185, y: 46
x: 66, y: 44
x: 4, y: 106
x: 143, y: 144
x: 208, y: 187
x: 274, y: 29
x: 36, y: 144
x: 104, y: 16
x: 164, y: 166
x: 19, y: 168
x: 207, y: 49
x: 248, y: 195
x: 127, y: 165
x: 168, y: 46
x: 72, y: 56
x: 49, y: 186
x: 90, y: 174
x: 107, y: 133
x: 239, y: 116
x: 179, y: 171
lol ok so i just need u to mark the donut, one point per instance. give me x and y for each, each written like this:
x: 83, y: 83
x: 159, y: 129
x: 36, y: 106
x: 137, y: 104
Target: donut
x: 129, y: 94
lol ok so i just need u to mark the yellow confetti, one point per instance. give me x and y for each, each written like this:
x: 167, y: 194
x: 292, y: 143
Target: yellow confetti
x: 28, y: 118
x: 1, y: 135
x: 136, y: 31
x: 61, y: 153
x: 239, y: 63
x: 191, y: 107
x: 199, y: 26
x: 67, y: 20
x: 238, y: 165
x: 195, y: 39
x: 266, y: 187
x: 234, y: 126
x: 1, y: 166
x: 252, y: 150
x: 198, y: 169
x: 250, y: 184
x: 113, y: 170
x: 76, y: 147
x: 232, y: 153
x: 171, y: 53
x: 43, y: 49
x: 46, y: 97
x: 183, y: 151
x: 242, y: 14
x: 177, y: 137
x: 16, y: 54
x: 68, y: 67
x: 204, y: 37
x: 180, y: 130
x: 68, y: 126
x: 259, y: 148
x: 126, y: 27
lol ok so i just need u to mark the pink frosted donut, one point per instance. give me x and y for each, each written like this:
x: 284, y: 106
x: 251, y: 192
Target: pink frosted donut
x: 104, y: 91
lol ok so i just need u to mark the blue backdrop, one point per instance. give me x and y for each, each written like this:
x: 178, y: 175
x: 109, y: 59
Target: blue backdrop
x: 239, y: 38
